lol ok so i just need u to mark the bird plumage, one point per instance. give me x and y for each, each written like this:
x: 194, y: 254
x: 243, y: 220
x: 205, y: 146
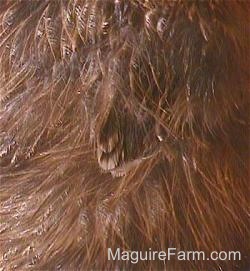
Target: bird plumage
x: 123, y: 124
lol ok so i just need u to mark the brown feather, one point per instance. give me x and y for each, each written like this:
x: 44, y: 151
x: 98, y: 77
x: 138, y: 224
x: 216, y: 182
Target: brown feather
x: 123, y: 124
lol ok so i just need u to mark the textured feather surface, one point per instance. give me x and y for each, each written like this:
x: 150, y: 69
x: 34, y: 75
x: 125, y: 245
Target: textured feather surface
x: 123, y: 124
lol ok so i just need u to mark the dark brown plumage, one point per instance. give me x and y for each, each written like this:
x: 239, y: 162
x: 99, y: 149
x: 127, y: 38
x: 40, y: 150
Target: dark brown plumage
x: 123, y: 124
